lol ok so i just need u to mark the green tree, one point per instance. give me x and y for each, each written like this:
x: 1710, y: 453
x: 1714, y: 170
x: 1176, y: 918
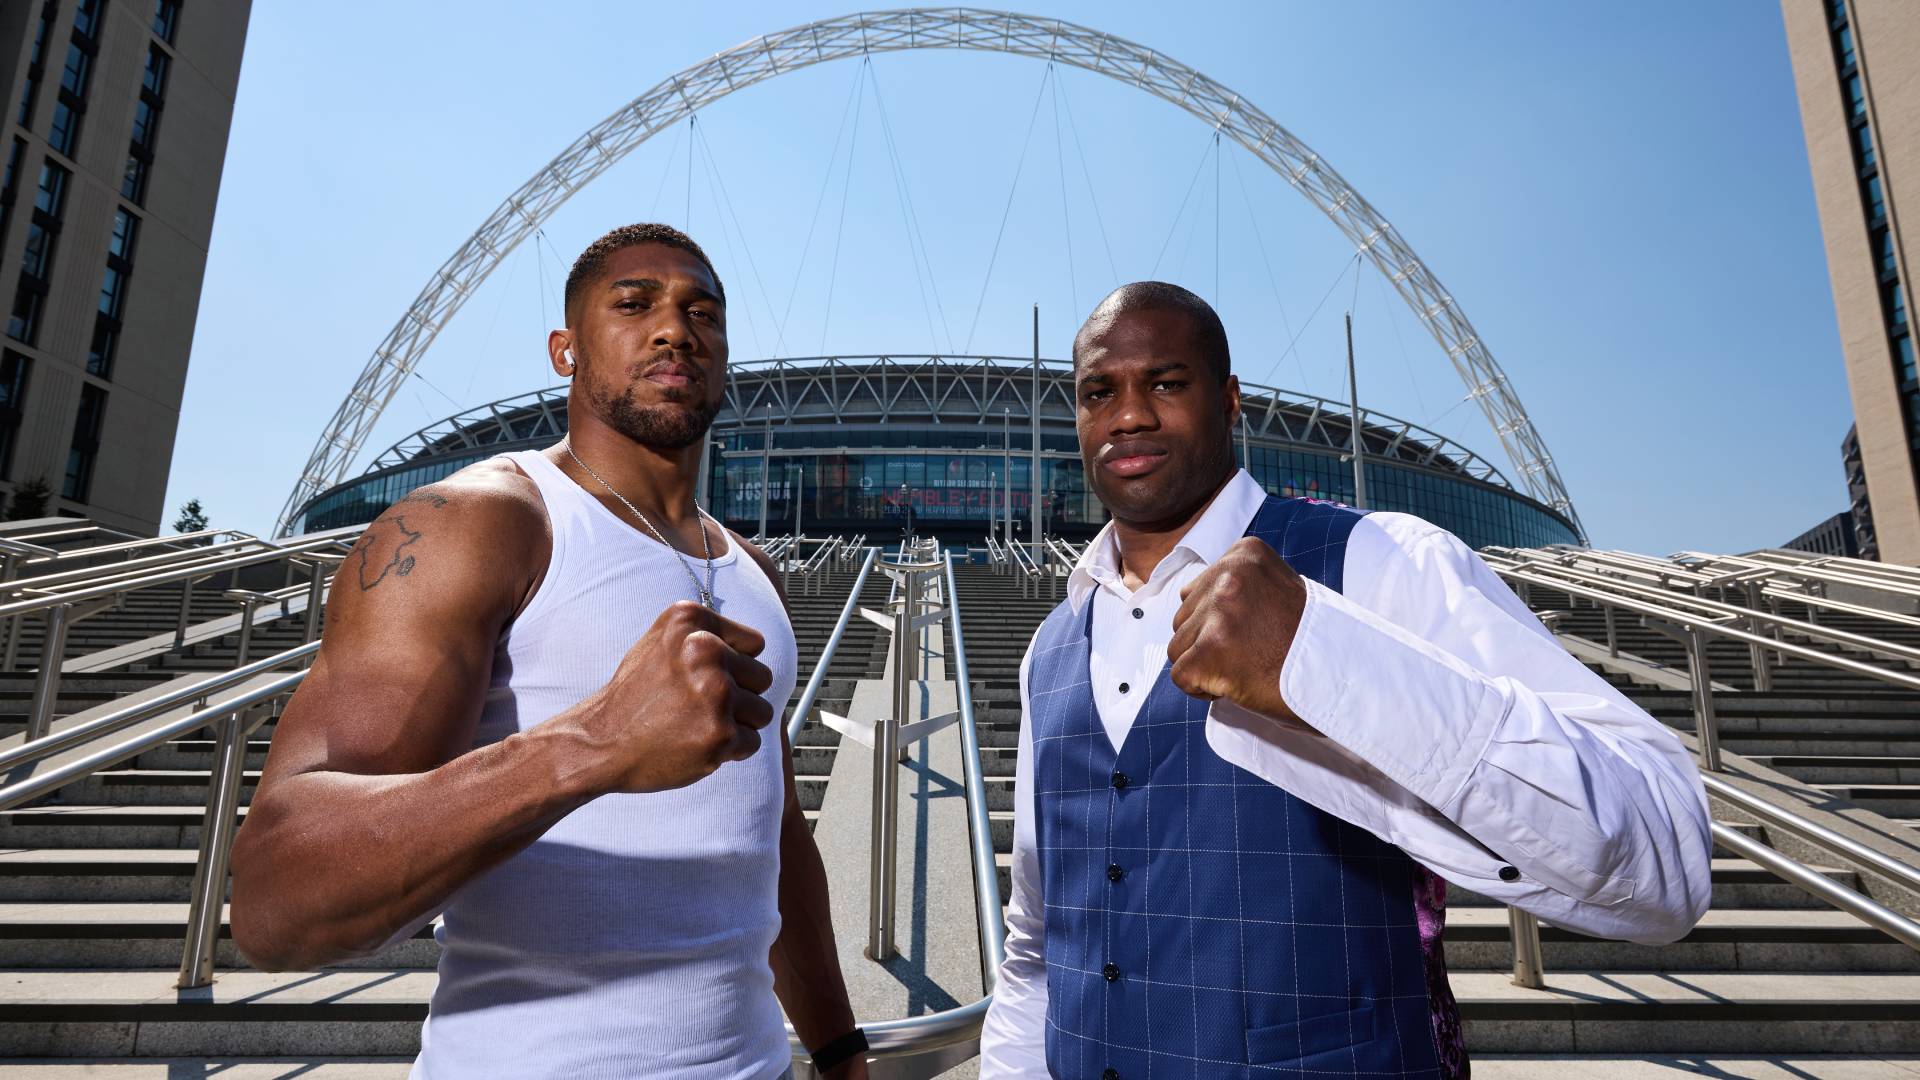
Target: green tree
x: 192, y: 518
x: 29, y: 500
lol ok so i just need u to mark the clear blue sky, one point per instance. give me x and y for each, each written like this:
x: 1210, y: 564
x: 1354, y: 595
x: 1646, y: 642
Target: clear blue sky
x: 1617, y: 195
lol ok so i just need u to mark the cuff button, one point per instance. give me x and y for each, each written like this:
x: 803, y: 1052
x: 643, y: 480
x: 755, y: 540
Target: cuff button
x: 1508, y: 873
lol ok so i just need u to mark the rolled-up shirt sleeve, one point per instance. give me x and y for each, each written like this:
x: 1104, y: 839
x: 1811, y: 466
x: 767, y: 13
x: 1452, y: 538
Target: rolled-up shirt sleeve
x: 1460, y: 731
x: 1013, y: 1038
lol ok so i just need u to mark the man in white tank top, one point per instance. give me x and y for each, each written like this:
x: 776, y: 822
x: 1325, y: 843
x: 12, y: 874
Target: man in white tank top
x: 540, y: 709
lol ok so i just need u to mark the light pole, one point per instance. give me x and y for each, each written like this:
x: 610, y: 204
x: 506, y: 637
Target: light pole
x: 798, y: 476
x: 1353, y: 400
x: 1006, y: 471
x: 1034, y: 400
x: 766, y: 463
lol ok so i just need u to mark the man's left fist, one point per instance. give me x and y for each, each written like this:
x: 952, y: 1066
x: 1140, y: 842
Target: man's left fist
x: 1234, y: 629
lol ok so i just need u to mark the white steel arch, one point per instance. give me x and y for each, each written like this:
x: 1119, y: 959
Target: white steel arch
x: 678, y: 96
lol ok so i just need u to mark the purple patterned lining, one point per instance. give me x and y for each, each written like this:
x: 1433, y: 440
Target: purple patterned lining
x: 1430, y: 911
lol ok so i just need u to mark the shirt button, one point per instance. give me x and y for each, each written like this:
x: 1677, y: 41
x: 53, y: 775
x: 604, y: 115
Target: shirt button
x: 1508, y: 873
x: 1110, y: 973
x: 1114, y: 873
x: 1138, y: 614
x: 1119, y: 781
x: 1110, y: 1074
x: 1123, y: 688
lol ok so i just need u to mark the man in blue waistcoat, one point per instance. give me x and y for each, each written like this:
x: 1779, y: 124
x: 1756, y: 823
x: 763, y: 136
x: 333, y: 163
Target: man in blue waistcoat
x: 1262, y: 734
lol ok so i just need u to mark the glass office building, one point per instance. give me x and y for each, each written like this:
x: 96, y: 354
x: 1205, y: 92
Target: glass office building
x: 855, y: 444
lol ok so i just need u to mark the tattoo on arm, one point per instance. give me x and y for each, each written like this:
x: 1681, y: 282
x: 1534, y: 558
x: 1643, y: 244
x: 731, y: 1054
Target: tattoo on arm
x: 399, y: 560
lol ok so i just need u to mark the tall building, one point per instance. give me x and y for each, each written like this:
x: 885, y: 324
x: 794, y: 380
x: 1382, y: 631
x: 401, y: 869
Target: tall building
x: 116, y: 115
x: 1857, y: 66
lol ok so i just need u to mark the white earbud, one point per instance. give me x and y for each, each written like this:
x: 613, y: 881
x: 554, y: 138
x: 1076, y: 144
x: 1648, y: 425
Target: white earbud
x: 568, y: 353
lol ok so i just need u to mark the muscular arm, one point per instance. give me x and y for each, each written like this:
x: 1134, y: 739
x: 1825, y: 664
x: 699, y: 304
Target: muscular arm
x: 806, y: 964
x: 371, y: 811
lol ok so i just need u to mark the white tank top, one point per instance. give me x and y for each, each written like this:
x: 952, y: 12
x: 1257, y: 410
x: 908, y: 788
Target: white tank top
x: 632, y: 938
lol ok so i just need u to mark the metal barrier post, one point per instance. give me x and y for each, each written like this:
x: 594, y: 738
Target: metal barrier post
x: 316, y: 590
x: 10, y: 569
x: 247, y: 607
x: 1528, y: 968
x: 186, y: 609
x: 883, y: 858
x: 1613, y: 637
x: 46, y: 682
x: 1707, y: 725
x: 216, y: 851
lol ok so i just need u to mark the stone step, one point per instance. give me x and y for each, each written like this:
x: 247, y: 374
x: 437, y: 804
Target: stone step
x: 1845, y: 769
x: 77, y: 1014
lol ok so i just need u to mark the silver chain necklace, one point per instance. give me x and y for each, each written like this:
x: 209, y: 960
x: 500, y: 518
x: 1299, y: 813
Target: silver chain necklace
x: 705, y: 593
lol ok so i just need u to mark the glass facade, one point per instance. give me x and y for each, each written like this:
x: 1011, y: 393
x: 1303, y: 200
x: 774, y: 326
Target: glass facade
x: 859, y: 478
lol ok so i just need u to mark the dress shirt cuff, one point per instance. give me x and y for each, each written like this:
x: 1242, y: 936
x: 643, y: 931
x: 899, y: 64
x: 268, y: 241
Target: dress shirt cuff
x: 1411, y: 710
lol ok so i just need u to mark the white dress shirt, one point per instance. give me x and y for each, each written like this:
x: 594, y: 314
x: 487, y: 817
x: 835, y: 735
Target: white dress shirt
x: 1445, y: 720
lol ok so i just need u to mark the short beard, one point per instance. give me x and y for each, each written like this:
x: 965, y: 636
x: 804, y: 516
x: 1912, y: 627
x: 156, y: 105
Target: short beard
x: 662, y: 427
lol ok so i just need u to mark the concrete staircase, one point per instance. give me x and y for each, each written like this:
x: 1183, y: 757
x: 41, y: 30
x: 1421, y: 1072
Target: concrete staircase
x: 94, y: 886
x: 1769, y: 970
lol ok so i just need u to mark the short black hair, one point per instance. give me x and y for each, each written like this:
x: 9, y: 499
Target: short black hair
x: 593, y: 260
x: 1209, y: 335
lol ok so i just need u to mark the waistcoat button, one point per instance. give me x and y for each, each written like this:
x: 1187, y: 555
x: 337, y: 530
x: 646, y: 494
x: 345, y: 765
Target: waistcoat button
x: 1119, y: 780
x: 1110, y: 1074
x: 1114, y: 873
x: 1110, y: 972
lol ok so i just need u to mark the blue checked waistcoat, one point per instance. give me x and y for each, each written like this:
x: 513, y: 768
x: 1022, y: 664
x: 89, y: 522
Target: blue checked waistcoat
x: 1203, y: 923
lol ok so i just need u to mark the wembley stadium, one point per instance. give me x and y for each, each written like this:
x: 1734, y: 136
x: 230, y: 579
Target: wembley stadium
x: 853, y: 445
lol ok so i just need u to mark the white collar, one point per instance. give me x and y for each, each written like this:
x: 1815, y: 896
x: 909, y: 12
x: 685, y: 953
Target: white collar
x: 1224, y: 522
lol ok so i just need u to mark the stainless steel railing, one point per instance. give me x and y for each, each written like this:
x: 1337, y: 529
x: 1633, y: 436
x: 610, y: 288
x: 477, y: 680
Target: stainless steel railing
x: 916, y: 1036
x: 1692, y: 620
x: 69, y: 599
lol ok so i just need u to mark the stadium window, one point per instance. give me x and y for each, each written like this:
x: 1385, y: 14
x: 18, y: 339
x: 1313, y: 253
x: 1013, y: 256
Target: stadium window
x: 86, y: 443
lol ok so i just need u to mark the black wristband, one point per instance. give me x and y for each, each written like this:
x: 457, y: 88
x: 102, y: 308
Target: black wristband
x: 835, y: 1053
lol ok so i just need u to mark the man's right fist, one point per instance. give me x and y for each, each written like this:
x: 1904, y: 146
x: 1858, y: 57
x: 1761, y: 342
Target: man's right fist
x: 684, y: 701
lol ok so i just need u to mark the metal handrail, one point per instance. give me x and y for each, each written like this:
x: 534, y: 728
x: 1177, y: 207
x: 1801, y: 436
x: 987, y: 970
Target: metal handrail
x: 168, y: 577
x: 1707, y: 626
x: 1892, y: 650
x: 1860, y: 906
x: 184, y: 541
x: 1814, y: 833
x: 819, y: 676
x: 913, y: 1036
x: 133, y: 568
x: 22, y: 791
x: 102, y: 726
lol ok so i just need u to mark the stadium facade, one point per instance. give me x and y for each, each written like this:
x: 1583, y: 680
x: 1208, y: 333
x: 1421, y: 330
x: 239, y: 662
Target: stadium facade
x: 859, y: 439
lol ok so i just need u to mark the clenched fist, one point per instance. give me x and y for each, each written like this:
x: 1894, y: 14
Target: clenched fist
x: 684, y: 701
x: 1234, y: 629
